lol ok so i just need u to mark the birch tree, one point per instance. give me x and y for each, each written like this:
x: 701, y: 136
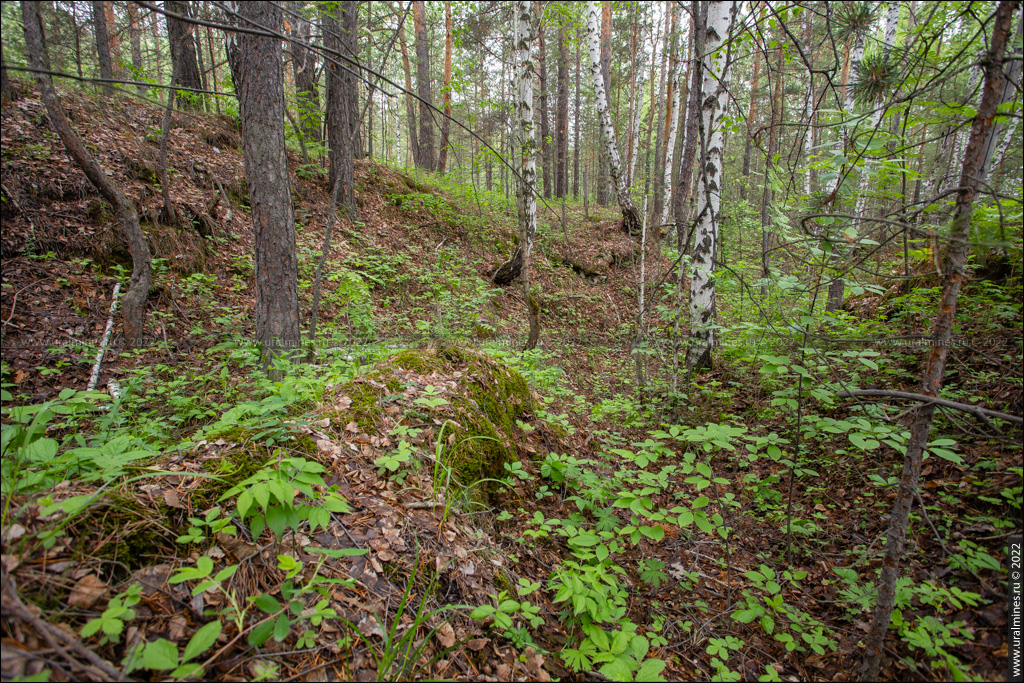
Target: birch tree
x: 630, y: 215
x: 720, y: 15
x: 526, y: 193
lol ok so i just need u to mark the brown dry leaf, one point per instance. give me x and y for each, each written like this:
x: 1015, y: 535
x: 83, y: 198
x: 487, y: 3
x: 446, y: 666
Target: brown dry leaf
x: 172, y: 499
x: 478, y: 644
x: 352, y: 427
x: 445, y: 635
x: 87, y: 592
x: 344, y: 403
x: 368, y: 626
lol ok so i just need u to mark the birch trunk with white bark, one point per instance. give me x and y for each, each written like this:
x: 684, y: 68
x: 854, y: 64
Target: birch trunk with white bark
x: 630, y: 215
x: 714, y: 99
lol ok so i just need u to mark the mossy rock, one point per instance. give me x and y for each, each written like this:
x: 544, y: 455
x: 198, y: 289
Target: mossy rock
x: 478, y: 424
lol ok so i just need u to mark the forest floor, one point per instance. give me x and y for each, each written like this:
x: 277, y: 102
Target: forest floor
x: 629, y: 536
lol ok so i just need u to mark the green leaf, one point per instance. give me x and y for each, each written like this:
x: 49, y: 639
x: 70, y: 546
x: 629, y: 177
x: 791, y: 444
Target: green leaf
x: 260, y: 634
x: 617, y: 670
x: 160, y: 655
x: 187, y: 671
x: 281, y: 628
x: 651, y: 670
x: 267, y: 603
x: 202, y: 640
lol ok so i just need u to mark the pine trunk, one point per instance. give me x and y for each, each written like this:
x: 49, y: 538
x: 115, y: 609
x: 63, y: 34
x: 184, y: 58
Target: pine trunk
x: 184, y: 65
x: 427, y: 158
x: 257, y: 71
x: 99, y: 16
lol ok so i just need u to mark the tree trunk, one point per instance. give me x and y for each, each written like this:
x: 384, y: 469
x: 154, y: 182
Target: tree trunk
x: 340, y: 37
x: 99, y: 17
x: 542, y: 74
x: 6, y: 92
x: 576, y: 128
x: 673, y: 122
x: 659, y: 125
x: 751, y: 117
x: 684, y: 182
x: 526, y: 193
x: 135, y: 37
x: 410, y: 101
x: 810, y: 106
x: 447, y: 88
x: 630, y: 216
x: 954, y: 273
x: 257, y: 71
x: 427, y: 158
x: 562, y: 115
x: 133, y: 306
x: 184, y: 65
x: 601, y: 180
x: 304, y: 72
x: 720, y: 16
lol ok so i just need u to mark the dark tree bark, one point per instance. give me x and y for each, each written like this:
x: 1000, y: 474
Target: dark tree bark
x: 184, y: 64
x: 562, y: 116
x: 133, y: 306
x: 954, y: 275
x: 99, y: 17
x: 340, y: 34
x: 258, y: 75
x: 545, y: 129
x: 135, y: 37
x: 427, y: 158
x: 6, y: 92
x: 304, y: 71
x: 446, y: 86
x: 683, y: 198
x: 576, y: 128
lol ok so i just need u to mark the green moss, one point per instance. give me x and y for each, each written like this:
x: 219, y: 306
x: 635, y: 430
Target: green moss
x: 366, y: 394
x: 480, y: 437
x: 126, y: 532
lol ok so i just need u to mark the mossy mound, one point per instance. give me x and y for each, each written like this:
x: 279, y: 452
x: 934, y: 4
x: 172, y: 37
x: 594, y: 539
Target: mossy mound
x: 474, y: 415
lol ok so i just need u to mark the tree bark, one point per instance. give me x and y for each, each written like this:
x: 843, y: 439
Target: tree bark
x: 576, y: 127
x: 257, y: 71
x: 562, y: 115
x: 659, y: 125
x: 542, y: 75
x: 630, y: 216
x: 601, y: 181
x: 99, y: 17
x: 427, y: 159
x: 340, y: 35
x: 954, y: 276
x: 304, y: 72
x: 673, y: 121
x: 135, y: 37
x: 446, y: 88
x: 720, y: 16
x: 133, y: 306
x: 6, y: 92
x: 684, y: 182
x: 410, y: 101
x: 184, y: 65
x: 751, y: 116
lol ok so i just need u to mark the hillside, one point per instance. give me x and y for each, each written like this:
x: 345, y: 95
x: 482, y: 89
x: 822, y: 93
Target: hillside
x: 422, y: 499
